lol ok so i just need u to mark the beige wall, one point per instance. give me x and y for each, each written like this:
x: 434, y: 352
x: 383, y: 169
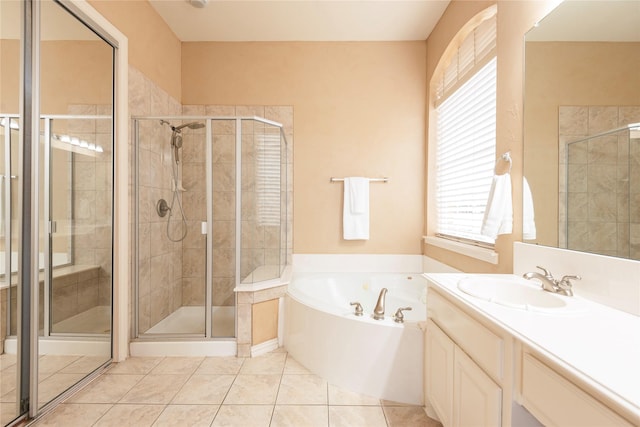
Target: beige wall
x: 153, y: 48
x: 569, y: 74
x: 514, y: 19
x: 359, y: 111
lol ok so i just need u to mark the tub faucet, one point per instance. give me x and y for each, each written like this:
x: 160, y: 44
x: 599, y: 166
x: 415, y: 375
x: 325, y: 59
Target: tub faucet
x: 378, y: 312
x: 550, y: 284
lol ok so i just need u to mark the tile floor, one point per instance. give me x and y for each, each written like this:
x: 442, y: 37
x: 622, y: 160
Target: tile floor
x: 269, y: 390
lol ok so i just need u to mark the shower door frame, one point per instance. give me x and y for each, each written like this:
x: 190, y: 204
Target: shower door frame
x: 209, y: 225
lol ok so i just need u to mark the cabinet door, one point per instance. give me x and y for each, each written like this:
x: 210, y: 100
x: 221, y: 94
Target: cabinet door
x: 439, y: 354
x: 477, y: 400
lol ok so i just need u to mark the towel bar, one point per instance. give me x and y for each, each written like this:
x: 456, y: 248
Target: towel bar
x: 384, y: 180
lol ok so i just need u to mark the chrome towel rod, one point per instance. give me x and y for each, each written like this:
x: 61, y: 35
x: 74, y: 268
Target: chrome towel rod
x: 385, y: 179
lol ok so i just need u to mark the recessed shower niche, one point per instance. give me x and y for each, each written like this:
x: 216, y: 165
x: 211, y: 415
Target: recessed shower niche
x: 211, y: 214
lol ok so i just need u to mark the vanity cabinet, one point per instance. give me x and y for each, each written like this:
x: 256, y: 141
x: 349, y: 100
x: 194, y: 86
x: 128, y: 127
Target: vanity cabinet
x: 556, y: 401
x: 464, y: 366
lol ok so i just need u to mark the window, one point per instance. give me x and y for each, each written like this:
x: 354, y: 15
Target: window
x: 466, y: 136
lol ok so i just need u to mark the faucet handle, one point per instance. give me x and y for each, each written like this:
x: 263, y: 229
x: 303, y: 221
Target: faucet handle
x: 565, y: 282
x: 546, y: 272
x: 359, y: 309
x: 399, y: 317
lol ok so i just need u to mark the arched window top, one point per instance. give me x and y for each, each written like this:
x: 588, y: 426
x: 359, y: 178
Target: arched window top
x: 472, y: 48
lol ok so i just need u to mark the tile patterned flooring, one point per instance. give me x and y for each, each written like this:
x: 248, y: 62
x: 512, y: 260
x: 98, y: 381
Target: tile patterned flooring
x: 269, y: 390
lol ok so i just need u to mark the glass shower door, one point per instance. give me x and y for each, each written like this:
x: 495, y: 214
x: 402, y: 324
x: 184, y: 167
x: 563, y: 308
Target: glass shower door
x: 171, y: 209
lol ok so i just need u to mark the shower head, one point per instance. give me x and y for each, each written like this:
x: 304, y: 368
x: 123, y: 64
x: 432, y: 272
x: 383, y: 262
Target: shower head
x: 192, y: 125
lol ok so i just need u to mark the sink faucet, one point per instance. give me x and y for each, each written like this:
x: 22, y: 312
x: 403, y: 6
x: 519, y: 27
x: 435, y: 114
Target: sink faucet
x: 550, y: 284
x: 378, y: 312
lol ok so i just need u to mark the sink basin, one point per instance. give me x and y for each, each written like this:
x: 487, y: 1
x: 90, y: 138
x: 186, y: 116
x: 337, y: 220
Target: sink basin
x: 515, y: 292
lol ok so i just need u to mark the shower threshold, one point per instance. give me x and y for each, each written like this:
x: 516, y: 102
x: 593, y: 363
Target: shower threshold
x: 189, y: 321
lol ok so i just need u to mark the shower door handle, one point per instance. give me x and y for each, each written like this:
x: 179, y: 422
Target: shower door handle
x: 203, y: 228
x: 53, y: 227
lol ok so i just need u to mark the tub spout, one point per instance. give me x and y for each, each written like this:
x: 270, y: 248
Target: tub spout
x: 378, y: 312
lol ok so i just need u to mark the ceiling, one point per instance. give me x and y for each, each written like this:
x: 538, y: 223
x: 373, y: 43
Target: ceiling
x: 604, y: 20
x: 301, y: 20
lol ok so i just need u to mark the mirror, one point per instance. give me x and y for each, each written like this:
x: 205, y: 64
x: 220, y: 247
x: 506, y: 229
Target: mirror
x: 582, y: 79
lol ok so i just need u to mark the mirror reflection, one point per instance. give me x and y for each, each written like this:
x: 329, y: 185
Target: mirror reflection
x: 75, y: 204
x: 581, y: 155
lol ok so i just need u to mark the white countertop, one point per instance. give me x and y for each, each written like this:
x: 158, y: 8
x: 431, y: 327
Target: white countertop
x: 599, y: 344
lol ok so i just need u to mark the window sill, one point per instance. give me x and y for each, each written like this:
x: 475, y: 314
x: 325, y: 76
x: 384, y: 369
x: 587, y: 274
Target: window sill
x: 483, y: 254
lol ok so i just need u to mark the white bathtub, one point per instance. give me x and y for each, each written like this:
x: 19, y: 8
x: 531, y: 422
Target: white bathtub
x: 379, y: 358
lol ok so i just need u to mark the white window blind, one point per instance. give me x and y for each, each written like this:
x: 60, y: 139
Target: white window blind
x: 473, y: 53
x: 268, y: 179
x: 465, y: 153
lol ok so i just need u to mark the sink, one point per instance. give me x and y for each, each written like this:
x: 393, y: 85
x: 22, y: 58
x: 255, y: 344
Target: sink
x: 517, y: 293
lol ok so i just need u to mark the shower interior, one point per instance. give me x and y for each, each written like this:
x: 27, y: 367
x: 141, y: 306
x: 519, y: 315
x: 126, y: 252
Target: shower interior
x: 601, y: 194
x: 211, y: 214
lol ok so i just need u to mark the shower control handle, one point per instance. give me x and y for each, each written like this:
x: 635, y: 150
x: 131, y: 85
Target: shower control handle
x: 162, y: 208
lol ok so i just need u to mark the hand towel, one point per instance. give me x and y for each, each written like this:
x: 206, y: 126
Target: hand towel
x: 355, y: 213
x: 498, y: 214
x: 528, y: 214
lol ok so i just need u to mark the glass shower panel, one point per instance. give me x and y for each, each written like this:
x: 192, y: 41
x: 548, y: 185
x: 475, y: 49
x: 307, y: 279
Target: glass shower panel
x: 171, y: 198
x: 601, y: 194
x: 224, y: 183
x: 262, y: 219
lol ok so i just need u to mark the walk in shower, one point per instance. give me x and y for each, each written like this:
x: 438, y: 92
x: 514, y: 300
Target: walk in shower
x: 211, y: 214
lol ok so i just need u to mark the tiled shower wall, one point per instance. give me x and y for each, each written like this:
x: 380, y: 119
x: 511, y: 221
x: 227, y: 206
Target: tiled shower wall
x: 601, y: 189
x: 160, y: 260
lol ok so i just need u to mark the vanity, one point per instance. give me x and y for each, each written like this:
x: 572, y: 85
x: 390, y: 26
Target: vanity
x: 568, y: 363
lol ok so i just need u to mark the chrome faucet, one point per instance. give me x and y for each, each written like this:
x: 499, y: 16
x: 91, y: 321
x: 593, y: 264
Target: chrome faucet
x: 550, y: 284
x: 378, y: 312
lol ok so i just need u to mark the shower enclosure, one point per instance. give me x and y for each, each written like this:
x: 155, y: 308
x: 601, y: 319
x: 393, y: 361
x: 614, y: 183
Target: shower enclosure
x: 211, y: 201
x: 602, y: 195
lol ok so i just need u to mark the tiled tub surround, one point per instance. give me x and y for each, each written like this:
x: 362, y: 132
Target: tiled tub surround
x: 600, y: 191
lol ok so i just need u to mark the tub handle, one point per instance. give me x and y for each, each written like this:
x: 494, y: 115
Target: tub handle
x: 399, y: 317
x: 359, y: 309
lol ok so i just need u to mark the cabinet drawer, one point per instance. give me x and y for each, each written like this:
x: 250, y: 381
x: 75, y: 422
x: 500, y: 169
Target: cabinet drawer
x: 556, y: 401
x: 484, y: 347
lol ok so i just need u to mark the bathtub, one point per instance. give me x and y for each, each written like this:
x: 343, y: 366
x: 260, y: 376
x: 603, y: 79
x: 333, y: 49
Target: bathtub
x: 379, y: 358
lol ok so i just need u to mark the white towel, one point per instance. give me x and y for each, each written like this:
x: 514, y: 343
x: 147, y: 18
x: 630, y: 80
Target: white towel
x: 528, y: 214
x: 498, y: 214
x: 355, y: 213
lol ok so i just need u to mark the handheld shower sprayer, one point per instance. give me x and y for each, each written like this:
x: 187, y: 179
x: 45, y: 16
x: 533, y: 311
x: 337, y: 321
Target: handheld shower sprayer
x: 176, y: 136
x: 164, y: 208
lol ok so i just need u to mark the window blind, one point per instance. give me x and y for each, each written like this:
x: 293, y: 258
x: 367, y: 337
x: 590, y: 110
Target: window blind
x: 465, y: 152
x: 472, y: 54
x: 268, y: 179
